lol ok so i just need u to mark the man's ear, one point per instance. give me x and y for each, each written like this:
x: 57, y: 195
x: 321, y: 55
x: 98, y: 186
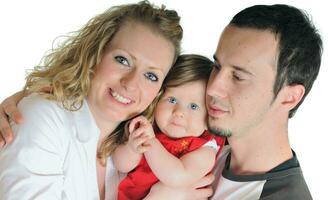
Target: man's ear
x: 291, y: 95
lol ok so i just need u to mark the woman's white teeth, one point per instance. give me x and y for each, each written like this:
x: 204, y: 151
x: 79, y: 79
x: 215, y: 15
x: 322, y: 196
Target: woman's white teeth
x: 120, y: 98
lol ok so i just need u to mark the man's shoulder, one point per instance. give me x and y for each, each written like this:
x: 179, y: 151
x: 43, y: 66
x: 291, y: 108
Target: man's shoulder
x: 288, y: 183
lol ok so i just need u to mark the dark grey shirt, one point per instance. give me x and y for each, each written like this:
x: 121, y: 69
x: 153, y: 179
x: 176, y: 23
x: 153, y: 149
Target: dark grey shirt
x: 284, y: 182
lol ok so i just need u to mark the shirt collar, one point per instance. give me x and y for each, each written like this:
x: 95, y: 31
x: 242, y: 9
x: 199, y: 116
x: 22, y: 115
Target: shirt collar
x: 290, y: 163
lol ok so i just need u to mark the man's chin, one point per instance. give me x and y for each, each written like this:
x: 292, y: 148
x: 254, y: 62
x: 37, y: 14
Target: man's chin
x: 219, y: 131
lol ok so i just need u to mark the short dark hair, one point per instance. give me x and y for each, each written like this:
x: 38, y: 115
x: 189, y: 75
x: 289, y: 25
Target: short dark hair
x: 300, y: 44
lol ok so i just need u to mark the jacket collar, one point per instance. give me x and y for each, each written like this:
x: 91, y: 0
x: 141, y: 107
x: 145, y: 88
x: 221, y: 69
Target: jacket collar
x: 84, y: 124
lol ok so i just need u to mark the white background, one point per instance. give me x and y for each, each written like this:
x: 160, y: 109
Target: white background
x: 28, y: 28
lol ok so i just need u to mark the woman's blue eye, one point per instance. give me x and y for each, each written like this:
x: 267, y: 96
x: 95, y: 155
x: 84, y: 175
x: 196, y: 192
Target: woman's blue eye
x: 172, y: 100
x: 194, y: 106
x: 151, y: 76
x: 122, y: 60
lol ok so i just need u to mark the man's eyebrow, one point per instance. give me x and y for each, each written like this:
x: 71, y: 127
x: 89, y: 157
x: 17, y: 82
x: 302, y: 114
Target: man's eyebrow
x: 242, y: 70
x: 235, y: 67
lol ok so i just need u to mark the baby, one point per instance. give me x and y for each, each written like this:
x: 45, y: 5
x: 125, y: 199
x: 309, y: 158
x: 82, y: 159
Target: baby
x: 181, y: 151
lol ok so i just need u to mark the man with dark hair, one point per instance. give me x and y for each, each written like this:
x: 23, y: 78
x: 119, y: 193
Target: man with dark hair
x: 265, y: 64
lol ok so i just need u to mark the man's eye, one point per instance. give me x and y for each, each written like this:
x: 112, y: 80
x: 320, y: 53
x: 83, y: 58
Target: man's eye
x: 237, y: 78
x: 122, y: 60
x: 193, y: 106
x: 151, y: 76
x: 172, y: 100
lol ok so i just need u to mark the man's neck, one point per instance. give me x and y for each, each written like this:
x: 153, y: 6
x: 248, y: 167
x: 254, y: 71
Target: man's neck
x: 259, y: 150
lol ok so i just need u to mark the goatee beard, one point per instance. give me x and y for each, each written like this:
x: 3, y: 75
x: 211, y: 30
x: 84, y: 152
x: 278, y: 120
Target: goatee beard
x: 219, y: 132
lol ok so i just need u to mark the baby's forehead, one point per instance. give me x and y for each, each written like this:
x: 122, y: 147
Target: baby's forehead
x: 191, y: 90
x: 181, y: 83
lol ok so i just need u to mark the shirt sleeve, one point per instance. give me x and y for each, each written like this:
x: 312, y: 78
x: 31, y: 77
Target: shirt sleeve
x: 31, y: 167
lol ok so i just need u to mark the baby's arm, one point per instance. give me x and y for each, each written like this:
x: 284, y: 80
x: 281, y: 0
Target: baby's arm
x: 176, y: 172
x: 127, y: 156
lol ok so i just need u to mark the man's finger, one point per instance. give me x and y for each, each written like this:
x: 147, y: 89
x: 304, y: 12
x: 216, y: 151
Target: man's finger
x: 17, y: 117
x: 2, y: 142
x: 12, y: 112
x: 203, y: 193
x: 205, y: 181
x: 6, y: 134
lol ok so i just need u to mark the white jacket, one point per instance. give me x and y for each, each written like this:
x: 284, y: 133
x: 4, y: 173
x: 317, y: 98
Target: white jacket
x: 53, y: 155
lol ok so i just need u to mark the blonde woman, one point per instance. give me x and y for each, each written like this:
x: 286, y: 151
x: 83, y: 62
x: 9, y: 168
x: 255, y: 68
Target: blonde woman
x: 106, y: 73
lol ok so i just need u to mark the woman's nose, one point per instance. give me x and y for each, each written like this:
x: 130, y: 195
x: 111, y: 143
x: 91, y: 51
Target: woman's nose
x: 130, y: 81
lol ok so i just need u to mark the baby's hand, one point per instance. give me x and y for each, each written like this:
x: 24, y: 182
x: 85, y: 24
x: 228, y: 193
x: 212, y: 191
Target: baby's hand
x: 141, y: 131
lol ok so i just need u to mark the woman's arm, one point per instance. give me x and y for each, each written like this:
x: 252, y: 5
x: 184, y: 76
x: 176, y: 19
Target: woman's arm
x: 127, y: 156
x: 31, y: 166
x: 176, y: 172
x: 9, y: 110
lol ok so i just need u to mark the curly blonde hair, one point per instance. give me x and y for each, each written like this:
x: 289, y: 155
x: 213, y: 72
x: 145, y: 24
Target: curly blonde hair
x: 66, y: 72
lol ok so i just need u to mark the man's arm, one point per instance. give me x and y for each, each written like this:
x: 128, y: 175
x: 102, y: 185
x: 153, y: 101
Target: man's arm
x: 176, y: 172
x: 198, y: 191
x: 9, y: 110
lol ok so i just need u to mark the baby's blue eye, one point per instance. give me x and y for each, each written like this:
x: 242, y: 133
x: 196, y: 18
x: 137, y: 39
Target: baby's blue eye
x: 122, y: 60
x: 151, y: 76
x: 194, y: 106
x: 172, y: 100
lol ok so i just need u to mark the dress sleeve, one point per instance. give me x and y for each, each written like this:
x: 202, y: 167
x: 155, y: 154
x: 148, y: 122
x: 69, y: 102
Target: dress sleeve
x: 31, y: 167
x: 212, y: 143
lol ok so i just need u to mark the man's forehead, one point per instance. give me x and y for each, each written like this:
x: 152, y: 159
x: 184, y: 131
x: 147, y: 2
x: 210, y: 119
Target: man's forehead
x: 247, y: 46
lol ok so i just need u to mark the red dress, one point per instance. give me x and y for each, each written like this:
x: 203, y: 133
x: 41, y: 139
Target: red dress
x: 136, y: 185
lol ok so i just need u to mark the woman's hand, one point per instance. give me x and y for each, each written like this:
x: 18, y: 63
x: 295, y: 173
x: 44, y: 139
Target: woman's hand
x: 197, y: 191
x: 9, y: 110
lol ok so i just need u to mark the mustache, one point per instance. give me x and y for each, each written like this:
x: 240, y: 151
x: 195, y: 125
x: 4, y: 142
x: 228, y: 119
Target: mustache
x: 219, y: 103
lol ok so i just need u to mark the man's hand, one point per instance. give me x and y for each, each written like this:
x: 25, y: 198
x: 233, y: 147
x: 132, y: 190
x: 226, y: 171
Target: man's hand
x: 198, y: 191
x: 8, y: 110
